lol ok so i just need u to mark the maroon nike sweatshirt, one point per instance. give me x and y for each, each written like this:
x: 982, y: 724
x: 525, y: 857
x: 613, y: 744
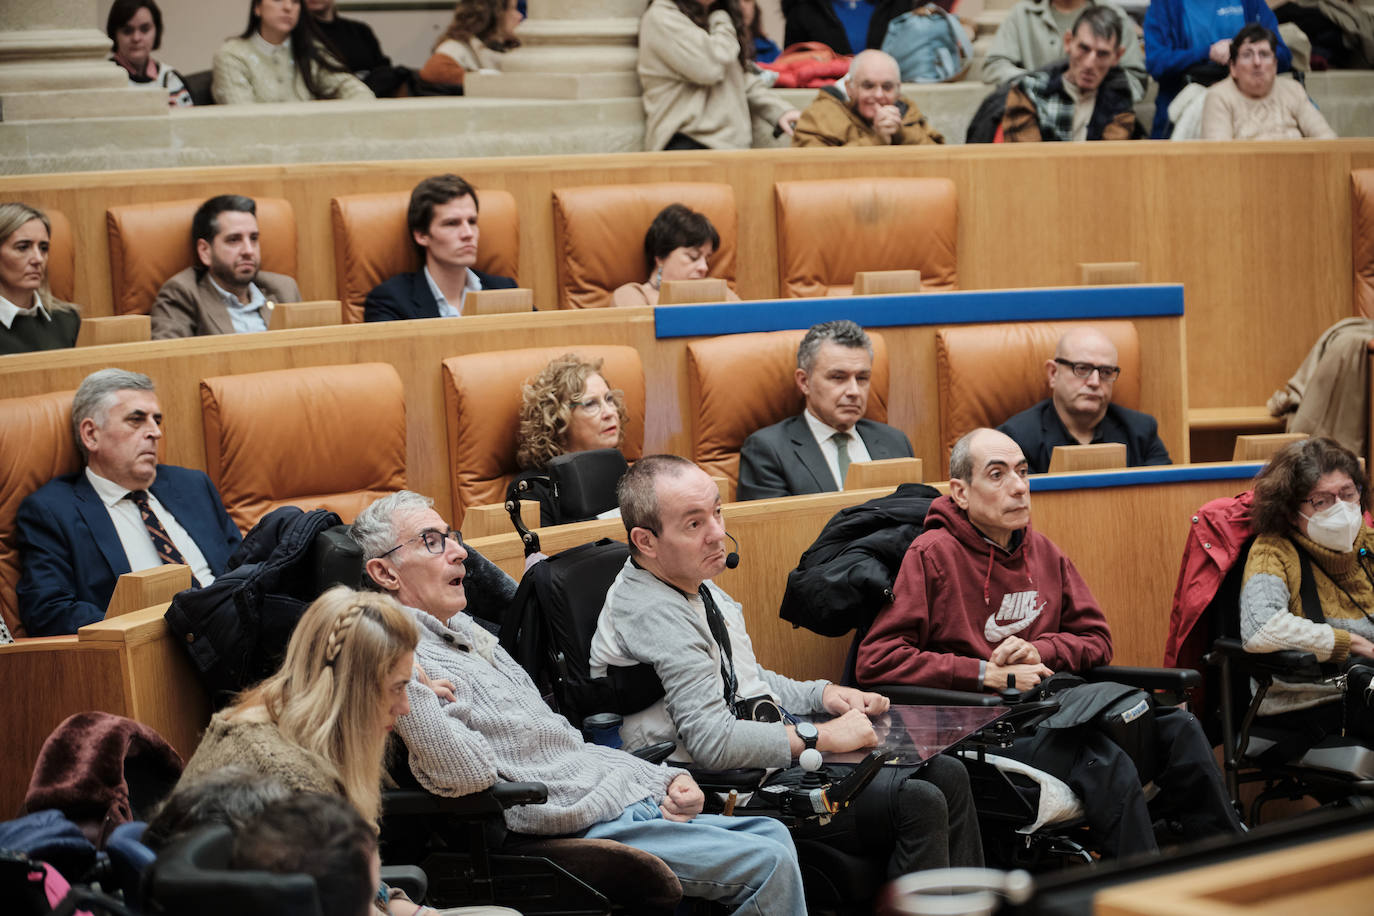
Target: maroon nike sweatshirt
x: 958, y: 595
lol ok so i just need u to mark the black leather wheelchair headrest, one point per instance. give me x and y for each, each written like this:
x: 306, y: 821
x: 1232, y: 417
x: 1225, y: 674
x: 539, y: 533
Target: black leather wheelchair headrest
x: 584, y: 482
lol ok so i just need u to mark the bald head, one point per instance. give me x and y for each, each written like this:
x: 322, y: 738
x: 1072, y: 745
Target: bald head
x: 874, y: 81
x: 1081, y: 377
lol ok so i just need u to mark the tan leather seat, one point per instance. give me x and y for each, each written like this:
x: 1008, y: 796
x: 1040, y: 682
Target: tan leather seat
x: 61, y: 257
x: 372, y: 241
x: 482, y: 401
x: 987, y: 373
x: 324, y: 436
x: 35, y: 446
x: 598, y: 235
x: 149, y: 243
x: 829, y: 230
x: 740, y: 383
x: 1362, y: 239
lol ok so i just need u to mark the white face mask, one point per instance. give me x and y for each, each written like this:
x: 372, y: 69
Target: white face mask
x: 1335, y: 526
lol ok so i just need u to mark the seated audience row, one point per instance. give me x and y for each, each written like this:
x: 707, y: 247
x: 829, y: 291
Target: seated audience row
x: 281, y: 57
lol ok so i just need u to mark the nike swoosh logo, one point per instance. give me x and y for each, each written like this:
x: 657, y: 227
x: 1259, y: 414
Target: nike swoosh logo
x: 995, y: 634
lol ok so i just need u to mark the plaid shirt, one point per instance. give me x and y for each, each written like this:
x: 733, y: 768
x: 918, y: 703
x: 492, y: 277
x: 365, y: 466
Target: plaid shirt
x: 1039, y: 108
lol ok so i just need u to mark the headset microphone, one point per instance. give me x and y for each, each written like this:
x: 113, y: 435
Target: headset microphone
x: 732, y: 558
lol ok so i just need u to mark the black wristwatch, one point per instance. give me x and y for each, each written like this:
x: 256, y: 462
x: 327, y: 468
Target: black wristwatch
x: 808, y: 733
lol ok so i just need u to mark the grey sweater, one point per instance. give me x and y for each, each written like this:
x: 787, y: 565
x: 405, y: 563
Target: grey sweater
x: 499, y: 728
x: 646, y: 620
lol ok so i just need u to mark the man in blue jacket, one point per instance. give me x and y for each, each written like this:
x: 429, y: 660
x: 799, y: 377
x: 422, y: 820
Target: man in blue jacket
x: 123, y: 512
x: 443, y: 225
x: 1190, y: 41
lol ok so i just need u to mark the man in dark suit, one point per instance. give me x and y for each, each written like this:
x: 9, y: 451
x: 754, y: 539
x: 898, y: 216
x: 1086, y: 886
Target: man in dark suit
x: 225, y: 292
x: 443, y: 225
x: 124, y: 512
x: 811, y: 452
x: 1080, y: 411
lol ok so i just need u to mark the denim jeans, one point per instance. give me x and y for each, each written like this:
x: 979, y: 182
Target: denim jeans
x: 745, y: 862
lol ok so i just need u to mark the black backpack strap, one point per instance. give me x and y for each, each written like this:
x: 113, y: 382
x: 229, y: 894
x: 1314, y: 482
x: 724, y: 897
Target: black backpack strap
x: 1307, y: 590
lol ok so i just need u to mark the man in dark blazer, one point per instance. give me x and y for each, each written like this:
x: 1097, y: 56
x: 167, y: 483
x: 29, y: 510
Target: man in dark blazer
x: 811, y: 452
x: 225, y: 292
x: 80, y: 532
x: 443, y: 226
x: 1079, y: 410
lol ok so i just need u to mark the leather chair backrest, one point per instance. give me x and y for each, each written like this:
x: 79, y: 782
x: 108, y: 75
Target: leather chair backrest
x: 987, y: 373
x: 482, y: 400
x: 372, y: 241
x: 35, y: 446
x: 830, y: 229
x: 598, y: 235
x: 1362, y: 239
x: 330, y: 437
x: 61, y: 256
x: 740, y: 383
x: 149, y: 243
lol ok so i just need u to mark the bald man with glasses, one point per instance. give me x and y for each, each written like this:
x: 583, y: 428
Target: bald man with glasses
x: 1079, y: 410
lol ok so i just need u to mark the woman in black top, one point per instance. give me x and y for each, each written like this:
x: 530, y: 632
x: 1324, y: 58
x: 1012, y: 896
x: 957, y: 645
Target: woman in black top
x: 30, y: 317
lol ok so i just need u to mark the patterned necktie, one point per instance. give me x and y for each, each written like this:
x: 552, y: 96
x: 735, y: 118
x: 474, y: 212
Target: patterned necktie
x: 162, y: 542
x: 842, y: 446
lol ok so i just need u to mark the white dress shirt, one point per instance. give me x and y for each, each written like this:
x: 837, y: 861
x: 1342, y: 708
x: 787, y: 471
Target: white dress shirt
x: 447, y: 309
x: 134, y: 536
x: 9, y: 311
x: 830, y: 451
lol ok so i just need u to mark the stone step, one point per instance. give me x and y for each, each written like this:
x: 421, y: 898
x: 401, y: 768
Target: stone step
x: 582, y: 9
x: 509, y: 85
x: 562, y: 59
x: 598, y: 31
x: 83, y: 103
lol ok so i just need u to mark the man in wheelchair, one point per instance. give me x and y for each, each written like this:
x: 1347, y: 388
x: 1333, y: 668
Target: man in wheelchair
x: 663, y: 610
x: 982, y: 599
x: 487, y: 721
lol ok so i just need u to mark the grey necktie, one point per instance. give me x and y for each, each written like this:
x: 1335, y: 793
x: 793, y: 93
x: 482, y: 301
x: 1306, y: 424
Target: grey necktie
x: 842, y: 446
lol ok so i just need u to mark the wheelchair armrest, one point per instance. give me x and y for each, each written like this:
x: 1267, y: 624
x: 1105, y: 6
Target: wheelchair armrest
x: 409, y: 878
x: 909, y: 695
x: 1290, y: 663
x: 489, y: 802
x: 655, y: 753
x: 1176, y: 679
x: 742, y: 779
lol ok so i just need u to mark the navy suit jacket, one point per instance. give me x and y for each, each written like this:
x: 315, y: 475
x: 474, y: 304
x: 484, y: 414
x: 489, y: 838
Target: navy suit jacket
x: 71, y: 554
x: 784, y: 459
x: 1038, y: 430
x: 409, y: 296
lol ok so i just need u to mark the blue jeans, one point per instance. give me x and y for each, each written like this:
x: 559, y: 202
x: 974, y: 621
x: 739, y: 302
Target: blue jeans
x: 745, y: 862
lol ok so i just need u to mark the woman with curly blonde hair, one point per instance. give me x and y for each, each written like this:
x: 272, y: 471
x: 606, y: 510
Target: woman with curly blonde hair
x: 568, y: 407
x: 31, y: 318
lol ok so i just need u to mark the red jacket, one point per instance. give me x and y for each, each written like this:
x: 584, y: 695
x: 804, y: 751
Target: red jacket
x: 1218, y: 534
x: 958, y: 596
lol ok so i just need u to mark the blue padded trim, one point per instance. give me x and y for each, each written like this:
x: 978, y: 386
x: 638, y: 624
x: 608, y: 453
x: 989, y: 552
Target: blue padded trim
x: 1142, y: 476
x: 967, y: 307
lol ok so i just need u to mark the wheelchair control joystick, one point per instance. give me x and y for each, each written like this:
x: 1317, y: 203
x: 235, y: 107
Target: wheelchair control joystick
x: 1009, y: 694
x: 810, y: 760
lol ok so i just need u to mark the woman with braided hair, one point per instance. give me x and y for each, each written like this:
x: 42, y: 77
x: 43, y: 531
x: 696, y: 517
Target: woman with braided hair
x: 320, y: 724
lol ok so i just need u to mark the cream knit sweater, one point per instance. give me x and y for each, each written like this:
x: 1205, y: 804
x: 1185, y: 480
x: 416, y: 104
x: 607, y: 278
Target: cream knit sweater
x: 251, y: 70
x: 693, y: 82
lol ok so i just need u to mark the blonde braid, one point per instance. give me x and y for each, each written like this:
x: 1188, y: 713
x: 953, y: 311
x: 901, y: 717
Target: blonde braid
x: 338, y: 633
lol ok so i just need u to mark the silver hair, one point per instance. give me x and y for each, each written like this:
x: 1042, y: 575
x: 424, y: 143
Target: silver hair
x: 961, y: 457
x: 97, y: 394
x: 843, y: 332
x: 375, y: 527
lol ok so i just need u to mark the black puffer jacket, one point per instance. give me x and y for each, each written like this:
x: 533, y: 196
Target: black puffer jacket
x: 815, y: 20
x: 845, y: 577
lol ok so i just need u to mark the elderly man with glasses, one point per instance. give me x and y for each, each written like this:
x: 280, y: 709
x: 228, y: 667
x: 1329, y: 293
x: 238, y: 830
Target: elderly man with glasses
x: 1079, y: 410
x: 476, y: 718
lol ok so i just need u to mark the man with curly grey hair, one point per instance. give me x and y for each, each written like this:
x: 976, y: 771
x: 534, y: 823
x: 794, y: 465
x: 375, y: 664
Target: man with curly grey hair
x: 123, y: 512
x: 811, y: 452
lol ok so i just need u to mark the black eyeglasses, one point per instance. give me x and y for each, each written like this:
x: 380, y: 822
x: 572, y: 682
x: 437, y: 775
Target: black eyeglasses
x: 1083, y: 370
x: 433, y: 540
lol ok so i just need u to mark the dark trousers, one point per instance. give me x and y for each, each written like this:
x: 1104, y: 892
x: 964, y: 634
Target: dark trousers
x: 1104, y: 778
x: 911, y: 818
